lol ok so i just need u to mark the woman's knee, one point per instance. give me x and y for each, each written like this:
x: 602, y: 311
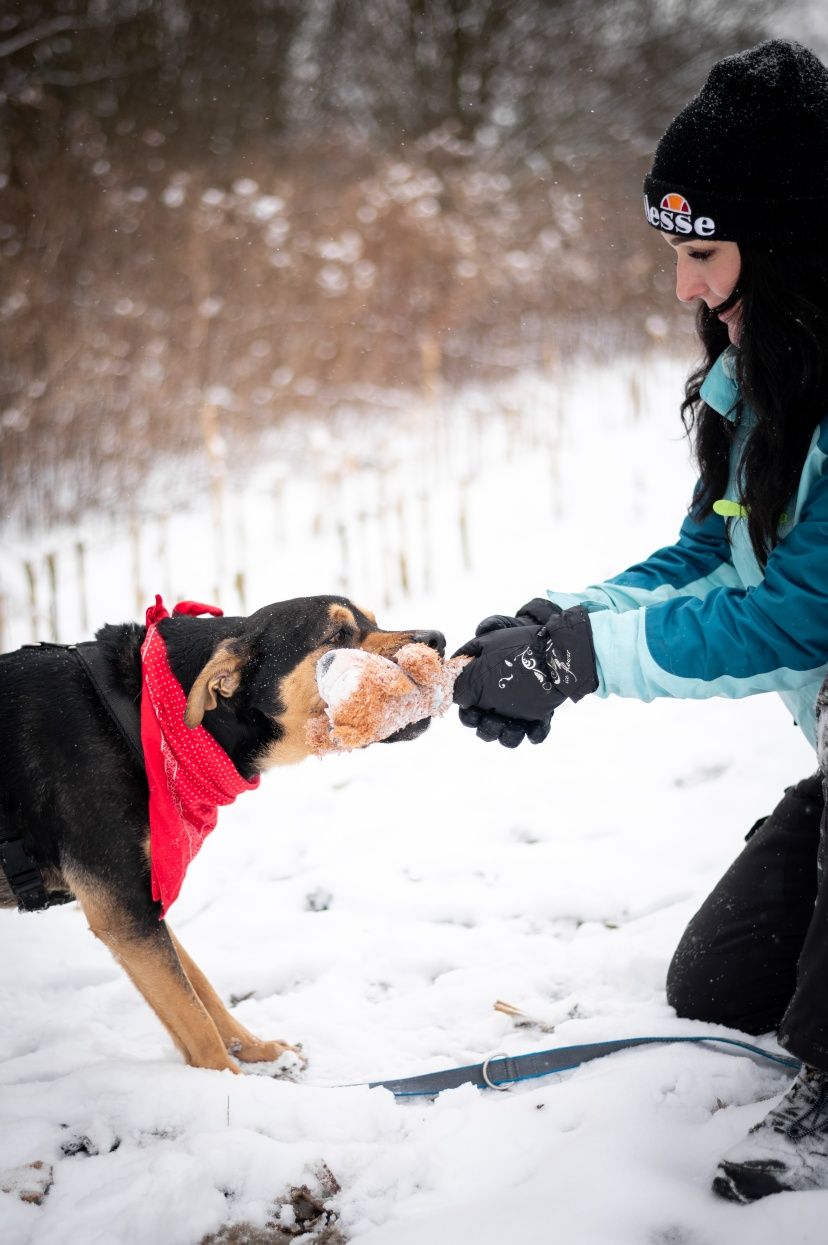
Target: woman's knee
x: 692, y: 989
x: 719, y: 989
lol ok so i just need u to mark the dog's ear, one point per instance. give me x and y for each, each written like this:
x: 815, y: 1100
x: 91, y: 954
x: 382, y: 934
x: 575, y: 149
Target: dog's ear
x: 220, y: 677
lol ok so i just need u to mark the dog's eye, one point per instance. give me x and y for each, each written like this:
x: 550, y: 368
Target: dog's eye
x: 340, y: 638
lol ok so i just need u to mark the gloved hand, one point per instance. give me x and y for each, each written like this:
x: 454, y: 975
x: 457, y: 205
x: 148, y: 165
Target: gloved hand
x: 511, y: 732
x: 538, y: 610
x: 524, y: 672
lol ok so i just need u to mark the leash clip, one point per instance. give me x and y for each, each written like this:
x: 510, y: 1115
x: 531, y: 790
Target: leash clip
x: 484, y: 1070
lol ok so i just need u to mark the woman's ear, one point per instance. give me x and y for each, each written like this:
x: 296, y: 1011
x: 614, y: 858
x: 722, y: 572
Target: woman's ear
x: 220, y: 677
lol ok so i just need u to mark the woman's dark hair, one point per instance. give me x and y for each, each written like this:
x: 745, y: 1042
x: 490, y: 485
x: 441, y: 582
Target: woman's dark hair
x: 782, y: 372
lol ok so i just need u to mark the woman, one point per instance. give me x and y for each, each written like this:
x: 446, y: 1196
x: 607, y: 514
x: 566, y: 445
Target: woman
x: 739, y: 191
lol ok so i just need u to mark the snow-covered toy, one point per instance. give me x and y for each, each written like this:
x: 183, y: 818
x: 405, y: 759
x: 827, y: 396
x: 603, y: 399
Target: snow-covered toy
x: 368, y: 698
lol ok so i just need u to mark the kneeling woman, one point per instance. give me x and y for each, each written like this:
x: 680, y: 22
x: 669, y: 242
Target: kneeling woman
x: 739, y: 605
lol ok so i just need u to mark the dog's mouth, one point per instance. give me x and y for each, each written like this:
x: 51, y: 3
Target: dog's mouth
x: 408, y: 732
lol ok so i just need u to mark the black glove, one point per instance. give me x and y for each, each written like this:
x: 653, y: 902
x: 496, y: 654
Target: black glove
x: 525, y: 672
x: 539, y: 610
x: 510, y: 732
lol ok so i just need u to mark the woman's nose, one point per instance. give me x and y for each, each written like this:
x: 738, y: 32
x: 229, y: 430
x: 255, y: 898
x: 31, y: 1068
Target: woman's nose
x: 689, y: 282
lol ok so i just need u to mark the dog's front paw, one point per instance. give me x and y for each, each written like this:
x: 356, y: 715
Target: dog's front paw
x: 289, y: 1059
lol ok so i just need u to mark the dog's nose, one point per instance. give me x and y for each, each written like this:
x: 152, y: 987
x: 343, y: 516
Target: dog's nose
x: 434, y: 639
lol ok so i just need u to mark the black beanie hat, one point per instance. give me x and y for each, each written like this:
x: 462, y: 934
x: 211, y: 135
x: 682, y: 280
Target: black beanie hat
x: 747, y: 159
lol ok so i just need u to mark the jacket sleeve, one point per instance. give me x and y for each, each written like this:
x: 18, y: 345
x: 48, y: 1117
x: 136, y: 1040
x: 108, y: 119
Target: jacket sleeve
x: 696, y: 564
x: 728, y: 641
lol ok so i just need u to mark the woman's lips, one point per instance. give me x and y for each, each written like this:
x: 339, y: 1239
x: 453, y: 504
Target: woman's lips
x: 731, y: 320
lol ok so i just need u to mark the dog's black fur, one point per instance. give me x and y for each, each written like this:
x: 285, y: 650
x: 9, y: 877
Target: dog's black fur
x: 78, y: 795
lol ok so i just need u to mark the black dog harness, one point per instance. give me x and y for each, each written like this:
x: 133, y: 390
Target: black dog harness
x: 22, y: 872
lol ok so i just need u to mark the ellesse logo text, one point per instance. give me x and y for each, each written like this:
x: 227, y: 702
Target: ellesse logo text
x: 674, y: 216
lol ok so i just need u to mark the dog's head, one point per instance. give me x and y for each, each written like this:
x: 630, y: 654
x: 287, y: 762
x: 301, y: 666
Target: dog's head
x: 257, y: 690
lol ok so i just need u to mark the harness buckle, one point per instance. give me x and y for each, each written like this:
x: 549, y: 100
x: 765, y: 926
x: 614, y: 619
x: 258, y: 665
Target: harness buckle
x: 23, y: 876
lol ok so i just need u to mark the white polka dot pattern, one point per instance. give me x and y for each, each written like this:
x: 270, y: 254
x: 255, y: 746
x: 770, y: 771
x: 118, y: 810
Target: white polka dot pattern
x: 189, y: 774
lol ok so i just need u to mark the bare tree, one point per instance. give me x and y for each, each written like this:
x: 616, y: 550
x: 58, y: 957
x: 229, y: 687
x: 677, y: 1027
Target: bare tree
x: 283, y: 199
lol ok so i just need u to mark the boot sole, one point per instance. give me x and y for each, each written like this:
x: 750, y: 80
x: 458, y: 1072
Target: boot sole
x: 739, y: 1182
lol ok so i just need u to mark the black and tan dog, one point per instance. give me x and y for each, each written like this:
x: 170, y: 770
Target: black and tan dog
x: 78, y: 795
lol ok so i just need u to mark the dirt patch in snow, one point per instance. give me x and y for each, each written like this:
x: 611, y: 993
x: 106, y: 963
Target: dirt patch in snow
x: 302, y: 1213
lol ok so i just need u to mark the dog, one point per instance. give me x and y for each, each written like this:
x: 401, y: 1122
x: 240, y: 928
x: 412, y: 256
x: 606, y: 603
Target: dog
x: 78, y: 795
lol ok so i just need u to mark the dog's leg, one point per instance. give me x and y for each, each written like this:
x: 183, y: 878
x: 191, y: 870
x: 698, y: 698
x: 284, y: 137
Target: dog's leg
x: 143, y: 946
x: 243, y: 1044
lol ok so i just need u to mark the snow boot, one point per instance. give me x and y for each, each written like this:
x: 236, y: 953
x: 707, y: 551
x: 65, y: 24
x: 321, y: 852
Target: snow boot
x: 786, y: 1151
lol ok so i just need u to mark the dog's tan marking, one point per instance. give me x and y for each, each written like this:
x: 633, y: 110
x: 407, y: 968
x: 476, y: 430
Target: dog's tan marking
x: 300, y: 696
x: 152, y: 963
x: 235, y: 1037
x: 369, y: 614
x: 8, y: 899
x: 386, y: 643
x: 341, y: 614
x: 340, y: 618
x: 220, y: 677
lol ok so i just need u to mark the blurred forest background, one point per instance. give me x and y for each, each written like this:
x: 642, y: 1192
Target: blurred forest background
x: 214, y: 213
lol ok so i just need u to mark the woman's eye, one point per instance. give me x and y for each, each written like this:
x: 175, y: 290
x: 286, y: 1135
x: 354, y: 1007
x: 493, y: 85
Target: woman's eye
x: 701, y: 256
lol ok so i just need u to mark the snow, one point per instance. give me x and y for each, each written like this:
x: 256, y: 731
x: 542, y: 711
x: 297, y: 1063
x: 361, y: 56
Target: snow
x: 454, y: 874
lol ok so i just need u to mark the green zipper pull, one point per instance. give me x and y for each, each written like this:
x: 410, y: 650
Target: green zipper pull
x: 735, y: 510
x: 730, y: 509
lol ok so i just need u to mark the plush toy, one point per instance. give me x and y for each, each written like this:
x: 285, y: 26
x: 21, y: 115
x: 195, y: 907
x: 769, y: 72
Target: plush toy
x: 367, y: 697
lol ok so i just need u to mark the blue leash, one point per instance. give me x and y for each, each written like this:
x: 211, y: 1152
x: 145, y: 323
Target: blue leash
x: 500, y: 1071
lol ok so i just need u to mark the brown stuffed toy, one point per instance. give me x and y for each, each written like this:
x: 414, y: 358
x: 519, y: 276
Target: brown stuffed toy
x: 367, y: 697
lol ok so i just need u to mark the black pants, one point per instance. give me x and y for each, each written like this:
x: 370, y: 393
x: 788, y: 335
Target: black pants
x: 755, y: 955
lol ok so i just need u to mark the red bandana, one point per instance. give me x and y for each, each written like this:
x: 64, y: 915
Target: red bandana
x: 189, y: 774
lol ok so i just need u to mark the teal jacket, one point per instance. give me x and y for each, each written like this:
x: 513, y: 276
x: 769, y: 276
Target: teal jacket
x: 701, y: 618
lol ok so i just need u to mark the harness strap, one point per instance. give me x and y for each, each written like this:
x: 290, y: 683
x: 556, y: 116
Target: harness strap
x: 123, y: 710
x: 499, y: 1071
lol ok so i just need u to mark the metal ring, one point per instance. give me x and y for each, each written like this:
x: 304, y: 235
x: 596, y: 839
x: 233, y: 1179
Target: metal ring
x: 484, y: 1070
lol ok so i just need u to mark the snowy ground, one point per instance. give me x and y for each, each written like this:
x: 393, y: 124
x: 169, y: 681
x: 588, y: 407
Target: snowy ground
x: 375, y: 906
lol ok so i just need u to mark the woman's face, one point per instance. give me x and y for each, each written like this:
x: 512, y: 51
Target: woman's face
x: 709, y: 271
